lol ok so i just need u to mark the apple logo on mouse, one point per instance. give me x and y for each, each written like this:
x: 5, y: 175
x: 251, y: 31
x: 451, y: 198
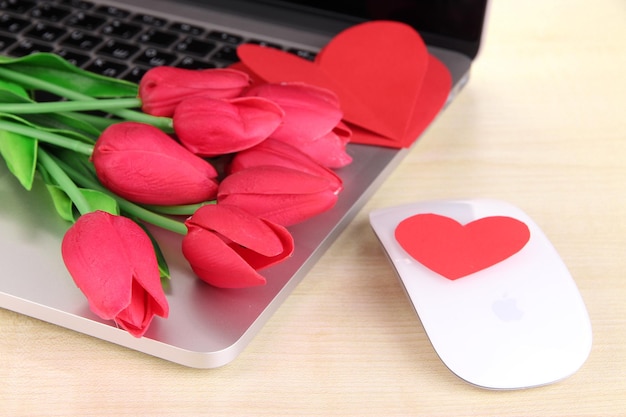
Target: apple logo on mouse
x: 506, y: 309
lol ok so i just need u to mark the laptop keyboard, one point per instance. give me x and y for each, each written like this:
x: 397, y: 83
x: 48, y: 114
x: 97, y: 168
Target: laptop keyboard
x: 113, y: 41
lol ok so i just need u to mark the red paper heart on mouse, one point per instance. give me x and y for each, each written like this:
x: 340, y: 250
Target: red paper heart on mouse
x: 389, y: 86
x: 454, y: 250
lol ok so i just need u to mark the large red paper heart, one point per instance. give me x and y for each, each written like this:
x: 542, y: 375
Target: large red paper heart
x: 389, y: 86
x: 454, y: 250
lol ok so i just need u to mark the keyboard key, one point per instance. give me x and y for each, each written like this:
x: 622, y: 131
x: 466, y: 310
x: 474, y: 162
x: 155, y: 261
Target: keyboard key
x: 113, y: 11
x: 265, y: 43
x: 45, y: 32
x: 186, y: 29
x: 135, y: 74
x: 27, y: 47
x: 5, y: 42
x: 49, y: 12
x: 157, y: 38
x: 195, y: 46
x: 12, y: 24
x: 227, y: 54
x: 73, y: 57
x: 150, y: 20
x: 16, y: 6
x: 121, y: 29
x: 303, y: 53
x: 225, y: 37
x: 152, y: 57
x: 107, y: 68
x: 77, y: 4
x: 118, y: 50
x: 80, y: 40
x: 85, y: 21
x: 193, y: 63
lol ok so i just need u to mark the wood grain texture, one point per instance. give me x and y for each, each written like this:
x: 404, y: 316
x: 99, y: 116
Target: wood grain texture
x: 541, y: 125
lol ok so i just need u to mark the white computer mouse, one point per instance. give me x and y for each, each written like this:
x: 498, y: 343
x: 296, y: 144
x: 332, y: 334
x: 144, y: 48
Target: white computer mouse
x: 495, y: 299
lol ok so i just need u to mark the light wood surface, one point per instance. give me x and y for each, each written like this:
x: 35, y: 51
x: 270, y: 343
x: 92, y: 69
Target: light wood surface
x: 542, y: 124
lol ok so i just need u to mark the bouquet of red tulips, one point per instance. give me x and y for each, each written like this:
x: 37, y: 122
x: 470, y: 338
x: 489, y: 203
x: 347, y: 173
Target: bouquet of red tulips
x: 227, y: 163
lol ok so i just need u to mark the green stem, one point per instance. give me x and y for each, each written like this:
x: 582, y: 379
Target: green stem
x: 39, y: 84
x: 180, y: 210
x: 99, y: 122
x: 64, y: 181
x: 164, y: 123
x: 131, y: 208
x: 48, y: 137
x: 65, y: 106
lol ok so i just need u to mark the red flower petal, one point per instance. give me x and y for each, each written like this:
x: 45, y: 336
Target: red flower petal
x: 112, y: 261
x: 210, y: 127
x: 141, y: 163
x: 225, y: 246
x: 238, y: 226
x: 310, y: 111
x: 328, y: 150
x: 213, y: 261
x: 285, y: 210
x: 277, y: 153
x: 281, y: 195
x: 162, y: 88
x: 259, y: 261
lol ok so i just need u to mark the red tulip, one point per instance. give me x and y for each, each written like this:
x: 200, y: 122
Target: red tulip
x: 112, y: 261
x: 209, y: 127
x: 226, y: 246
x: 282, y: 195
x: 162, y: 88
x: 312, y: 121
x: 142, y: 164
x: 278, y: 153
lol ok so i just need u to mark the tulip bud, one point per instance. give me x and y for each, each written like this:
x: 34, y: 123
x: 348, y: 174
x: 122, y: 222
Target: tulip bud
x: 209, y: 127
x: 112, y: 261
x: 143, y: 164
x: 226, y: 246
x: 282, y: 195
x: 277, y: 153
x: 162, y: 88
x: 330, y: 150
x: 312, y: 121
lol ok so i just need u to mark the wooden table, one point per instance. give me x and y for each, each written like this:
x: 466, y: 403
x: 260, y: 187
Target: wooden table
x: 541, y: 125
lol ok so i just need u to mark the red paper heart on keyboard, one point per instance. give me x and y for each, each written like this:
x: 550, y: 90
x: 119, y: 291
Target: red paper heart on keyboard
x: 389, y: 86
x: 454, y: 250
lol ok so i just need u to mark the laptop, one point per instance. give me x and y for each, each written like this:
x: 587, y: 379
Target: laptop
x: 208, y: 327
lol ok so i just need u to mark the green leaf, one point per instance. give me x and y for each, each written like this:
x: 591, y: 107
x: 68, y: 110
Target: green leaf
x: 43, y: 125
x: 86, y: 125
x: 19, y: 151
x: 54, y: 69
x: 13, y: 93
x: 79, y: 162
x: 20, y: 154
x: 97, y: 122
x: 164, y: 269
x: 101, y: 201
x: 62, y: 203
x: 9, y: 92
x: 60, y: 122
x: 97, y: 201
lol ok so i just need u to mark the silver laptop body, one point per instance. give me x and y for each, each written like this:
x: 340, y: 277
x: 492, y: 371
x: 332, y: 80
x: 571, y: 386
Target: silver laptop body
x: 209, y: 327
